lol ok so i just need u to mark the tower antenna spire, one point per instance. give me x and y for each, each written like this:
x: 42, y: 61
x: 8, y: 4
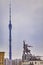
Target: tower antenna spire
x: 10, y: 28
x: 10, y: 11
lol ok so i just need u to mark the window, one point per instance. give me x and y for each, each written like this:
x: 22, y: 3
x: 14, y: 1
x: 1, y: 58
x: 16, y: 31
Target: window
x: 35, y: 62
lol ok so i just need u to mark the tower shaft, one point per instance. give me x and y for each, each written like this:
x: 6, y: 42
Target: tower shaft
x: 10, y: 28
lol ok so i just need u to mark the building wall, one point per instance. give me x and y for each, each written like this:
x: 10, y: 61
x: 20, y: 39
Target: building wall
x: 34, y: 63
x: 7, y: 62
x: 13, y: 62
x: 2, y: 58
x: 16, y: 62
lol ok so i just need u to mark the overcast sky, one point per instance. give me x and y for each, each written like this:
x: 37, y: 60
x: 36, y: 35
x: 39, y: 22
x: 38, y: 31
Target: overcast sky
x: 27, y: 24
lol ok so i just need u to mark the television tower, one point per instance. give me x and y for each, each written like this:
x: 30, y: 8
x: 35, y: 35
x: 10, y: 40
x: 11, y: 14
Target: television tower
x: 10, y: 28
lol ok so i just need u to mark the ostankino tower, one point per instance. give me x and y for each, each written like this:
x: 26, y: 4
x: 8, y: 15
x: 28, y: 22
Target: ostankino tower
x: 10, y: 28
